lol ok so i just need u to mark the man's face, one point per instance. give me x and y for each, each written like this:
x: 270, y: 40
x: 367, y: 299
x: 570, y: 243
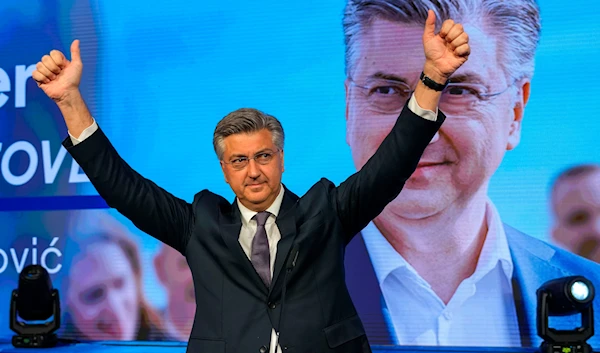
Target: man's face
x: 471, y: 143
x: 576, y: 203
x: 257, y: 184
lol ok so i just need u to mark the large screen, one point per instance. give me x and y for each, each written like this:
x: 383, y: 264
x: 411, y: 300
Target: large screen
x: 455, y: 260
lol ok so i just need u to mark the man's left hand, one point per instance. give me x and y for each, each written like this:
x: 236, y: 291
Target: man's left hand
x: 445, y: 51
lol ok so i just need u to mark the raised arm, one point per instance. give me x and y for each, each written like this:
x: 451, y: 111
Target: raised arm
x: 365, y: 194
x: 149, y: 207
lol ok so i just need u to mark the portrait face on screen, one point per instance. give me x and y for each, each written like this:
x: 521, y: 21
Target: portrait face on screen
x: 576, y: 205
x: 484, y: 109
x: 102, y: 296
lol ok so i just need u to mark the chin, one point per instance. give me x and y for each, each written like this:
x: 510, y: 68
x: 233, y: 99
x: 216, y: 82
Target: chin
x: 257, y: 197
x: 415, y: 204
x: 254, y: 198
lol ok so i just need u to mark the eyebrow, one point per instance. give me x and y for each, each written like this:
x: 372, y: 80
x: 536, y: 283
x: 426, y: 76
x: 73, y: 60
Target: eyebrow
x: 387, y: 76
x: 267, y: 149
x: 470, y: 77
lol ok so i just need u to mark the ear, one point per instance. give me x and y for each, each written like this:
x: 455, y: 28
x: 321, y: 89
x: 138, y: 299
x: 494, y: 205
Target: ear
x: 282, y: 164
x: 514, y: 135
x: 347, y: 90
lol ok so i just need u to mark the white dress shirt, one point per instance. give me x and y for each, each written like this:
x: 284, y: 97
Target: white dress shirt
x: 480, y: 313
x: 249, y: 225
x: 273, y: 235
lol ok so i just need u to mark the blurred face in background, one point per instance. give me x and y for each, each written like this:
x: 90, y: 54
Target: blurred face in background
x: 103, y: 295
x: 576, y: 204
x: 175, y: 275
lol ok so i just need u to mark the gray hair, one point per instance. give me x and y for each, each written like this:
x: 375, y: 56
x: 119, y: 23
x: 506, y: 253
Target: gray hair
x: 515, y: 22
x: 246, y: 120
x: 575, y: 171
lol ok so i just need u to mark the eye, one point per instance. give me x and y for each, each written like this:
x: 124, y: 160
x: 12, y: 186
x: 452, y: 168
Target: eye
x: 456, y: 90
x: 385, y: 90
x: 239, y: 162
x: 578, y: 218
x: 264, y: 157
x: 388, y: 90
x: 93, y: 295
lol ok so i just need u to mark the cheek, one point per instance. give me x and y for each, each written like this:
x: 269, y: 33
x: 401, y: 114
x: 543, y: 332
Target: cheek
x: 236, y: 180
x: 273, y: 173
x: 83, y: 315
x: 478, y: 142
x: 365, y: 132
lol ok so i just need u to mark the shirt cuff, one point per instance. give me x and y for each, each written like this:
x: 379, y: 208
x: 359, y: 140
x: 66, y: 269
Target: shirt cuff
x: 85, y: 134
x: 423, y: 113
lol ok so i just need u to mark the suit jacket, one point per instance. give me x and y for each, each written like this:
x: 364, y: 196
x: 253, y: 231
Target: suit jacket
x: 535, y: 262
x: 235, y: 310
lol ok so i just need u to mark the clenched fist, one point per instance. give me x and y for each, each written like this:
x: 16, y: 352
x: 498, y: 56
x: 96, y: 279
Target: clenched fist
x: 446, y: 51
x: 57, y: 76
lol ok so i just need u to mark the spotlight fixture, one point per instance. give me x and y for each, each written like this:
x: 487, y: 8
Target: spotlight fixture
x: 563, y: 297
x: 34, y: 309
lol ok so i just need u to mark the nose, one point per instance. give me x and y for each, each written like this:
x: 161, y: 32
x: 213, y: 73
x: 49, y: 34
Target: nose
x: 114, y: 302
x: 253, y: 169
x: 435, y: 138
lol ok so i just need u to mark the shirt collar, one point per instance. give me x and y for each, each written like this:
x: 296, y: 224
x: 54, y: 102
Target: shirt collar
x: 384, y: 257
x: 495, y: 249
x: 247, y: 213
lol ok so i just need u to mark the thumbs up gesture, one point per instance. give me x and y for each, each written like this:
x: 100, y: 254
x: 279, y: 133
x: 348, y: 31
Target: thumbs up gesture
x: 57, y: 76
x: 445, y: 51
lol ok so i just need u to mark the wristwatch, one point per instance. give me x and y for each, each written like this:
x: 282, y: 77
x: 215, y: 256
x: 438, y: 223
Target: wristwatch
x: 432, y: 84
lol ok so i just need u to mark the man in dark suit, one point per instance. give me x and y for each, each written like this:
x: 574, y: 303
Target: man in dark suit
x: 268, y: 268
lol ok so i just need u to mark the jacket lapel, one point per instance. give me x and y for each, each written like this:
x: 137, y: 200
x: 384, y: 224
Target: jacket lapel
x: 531, y: 270
x: 230, y: 224
x: 286, y: 223
x: 366, y: 294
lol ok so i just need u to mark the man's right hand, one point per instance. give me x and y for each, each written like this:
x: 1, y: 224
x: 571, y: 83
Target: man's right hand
x: 58, y: 77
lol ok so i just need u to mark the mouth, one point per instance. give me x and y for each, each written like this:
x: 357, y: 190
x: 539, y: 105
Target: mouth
x: 107, y: 328
x: 431, y: 164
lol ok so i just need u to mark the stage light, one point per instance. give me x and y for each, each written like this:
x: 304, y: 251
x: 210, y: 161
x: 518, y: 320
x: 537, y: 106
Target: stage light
x: 562, y: 297
x: 37, y: 304
x: 580, y: 291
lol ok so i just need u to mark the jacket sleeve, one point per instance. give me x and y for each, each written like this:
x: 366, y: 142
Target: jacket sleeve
x: 362, y: 197
x: 152, y: 209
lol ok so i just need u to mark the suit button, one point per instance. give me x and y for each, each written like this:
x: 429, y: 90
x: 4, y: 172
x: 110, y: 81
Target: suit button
x: 271, y: 305
x: 263, y: 349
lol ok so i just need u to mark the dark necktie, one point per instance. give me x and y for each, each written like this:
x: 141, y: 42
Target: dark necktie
x: 261, y: 256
